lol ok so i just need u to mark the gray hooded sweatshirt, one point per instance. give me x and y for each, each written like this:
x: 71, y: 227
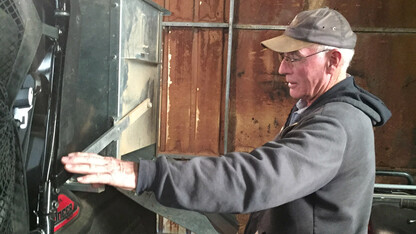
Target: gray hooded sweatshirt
x: 316, y: 176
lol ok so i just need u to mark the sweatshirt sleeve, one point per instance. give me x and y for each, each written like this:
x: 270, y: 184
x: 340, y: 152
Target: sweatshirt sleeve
x: 280, y: 171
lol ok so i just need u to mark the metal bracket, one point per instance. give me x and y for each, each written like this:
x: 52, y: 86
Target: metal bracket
x: 50, y: 31
x: 112, y: 134
x: 115, y: 132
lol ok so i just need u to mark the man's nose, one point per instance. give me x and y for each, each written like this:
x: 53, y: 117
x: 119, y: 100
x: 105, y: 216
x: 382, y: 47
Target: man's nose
x: 283, y: 67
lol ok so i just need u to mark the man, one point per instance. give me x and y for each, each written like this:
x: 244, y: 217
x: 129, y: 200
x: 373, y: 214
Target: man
x: 316, y: 176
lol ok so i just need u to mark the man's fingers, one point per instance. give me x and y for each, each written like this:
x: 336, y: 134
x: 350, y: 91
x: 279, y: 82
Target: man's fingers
x: 86, y: 168
x: 85, y: 158
x: 95, y: 179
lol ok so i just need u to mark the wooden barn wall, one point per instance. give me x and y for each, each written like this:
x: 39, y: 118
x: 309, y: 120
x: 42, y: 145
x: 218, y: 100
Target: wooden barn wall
x: 194, y: 74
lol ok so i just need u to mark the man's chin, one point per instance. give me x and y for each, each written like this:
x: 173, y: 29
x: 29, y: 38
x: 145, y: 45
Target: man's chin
x: 294, y: 95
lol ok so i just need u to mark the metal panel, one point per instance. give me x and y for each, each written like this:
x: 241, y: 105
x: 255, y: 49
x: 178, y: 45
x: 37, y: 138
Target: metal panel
x: 369, y: 13
x: 191, y: 102
x: 196, y: 11
x: 139, y: 29
x: 143, y: 83
x: 377, y: 13
x: 113, y: 66
x: 86, y: 85
x: 385, y: 64
x: 139, y: 71
x: 278, y: 12
x: 260, y: 99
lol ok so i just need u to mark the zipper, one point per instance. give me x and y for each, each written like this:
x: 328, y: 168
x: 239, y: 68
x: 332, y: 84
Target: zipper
x: 285, y: 130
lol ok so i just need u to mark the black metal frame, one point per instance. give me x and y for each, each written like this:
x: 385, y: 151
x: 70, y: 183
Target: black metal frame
x: 45, y: 26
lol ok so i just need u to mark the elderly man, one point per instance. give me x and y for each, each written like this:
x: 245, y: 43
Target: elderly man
x: 316, y: 176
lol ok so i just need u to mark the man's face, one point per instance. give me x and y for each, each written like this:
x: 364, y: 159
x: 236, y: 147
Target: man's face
x: 305, y: 72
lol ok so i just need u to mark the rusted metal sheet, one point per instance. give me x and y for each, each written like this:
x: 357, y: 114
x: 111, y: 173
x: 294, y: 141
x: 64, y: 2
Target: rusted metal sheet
x: 386, y: 62
x: 191, y: 100
x: 376, y: 13
x: 276, y: 12
x: 369, y: 13
x: 195, y: 11
x: 259, y: 95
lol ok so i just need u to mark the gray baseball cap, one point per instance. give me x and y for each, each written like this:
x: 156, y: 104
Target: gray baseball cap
x: 322, y: 26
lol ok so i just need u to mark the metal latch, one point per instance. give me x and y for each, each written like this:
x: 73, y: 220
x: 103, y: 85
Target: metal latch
x: 22, y: 105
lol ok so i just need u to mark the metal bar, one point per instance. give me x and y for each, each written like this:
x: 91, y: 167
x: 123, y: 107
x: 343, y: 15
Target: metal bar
x: 183, y: 156
x: 222, y: 25
x: 407, y: 176
x: 195, y: 24
x: 140, y: 60
x: 114, y: 132
x: 355, y: 29
x: 227, y: 82
x: 260, y: 27
x: 382, y: 196
x: 395, y: 186
x: 279, y: 27
x: 384, y: 30
x: 46, y: 209
x: 114, y: 67
x: 73, y: 185
x: 108, y: 137
x: 105, y: 139
x: 45, y: 195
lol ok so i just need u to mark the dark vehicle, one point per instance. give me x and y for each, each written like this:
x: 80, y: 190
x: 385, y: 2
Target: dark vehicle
x: 31, y: 74
x: 58, y: 59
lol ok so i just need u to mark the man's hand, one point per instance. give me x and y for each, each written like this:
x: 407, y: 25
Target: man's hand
x: 102, y: 170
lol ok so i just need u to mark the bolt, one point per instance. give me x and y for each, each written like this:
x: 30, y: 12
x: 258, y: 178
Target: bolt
x: 55, y: 205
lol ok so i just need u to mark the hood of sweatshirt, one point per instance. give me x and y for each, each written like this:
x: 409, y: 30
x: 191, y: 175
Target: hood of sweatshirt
x: 349, y: 92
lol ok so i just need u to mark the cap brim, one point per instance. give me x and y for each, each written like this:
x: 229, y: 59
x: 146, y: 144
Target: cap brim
x: 284, y: 44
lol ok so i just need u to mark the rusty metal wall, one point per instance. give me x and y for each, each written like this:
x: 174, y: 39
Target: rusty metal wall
x: 194, y: 73
x: 191, y: 91
x: 191, y: 106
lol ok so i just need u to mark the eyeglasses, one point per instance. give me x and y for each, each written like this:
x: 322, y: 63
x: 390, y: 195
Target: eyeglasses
x: 282, y: 57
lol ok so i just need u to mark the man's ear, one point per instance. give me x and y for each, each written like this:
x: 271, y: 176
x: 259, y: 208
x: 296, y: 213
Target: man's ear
x: 334, y: 61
